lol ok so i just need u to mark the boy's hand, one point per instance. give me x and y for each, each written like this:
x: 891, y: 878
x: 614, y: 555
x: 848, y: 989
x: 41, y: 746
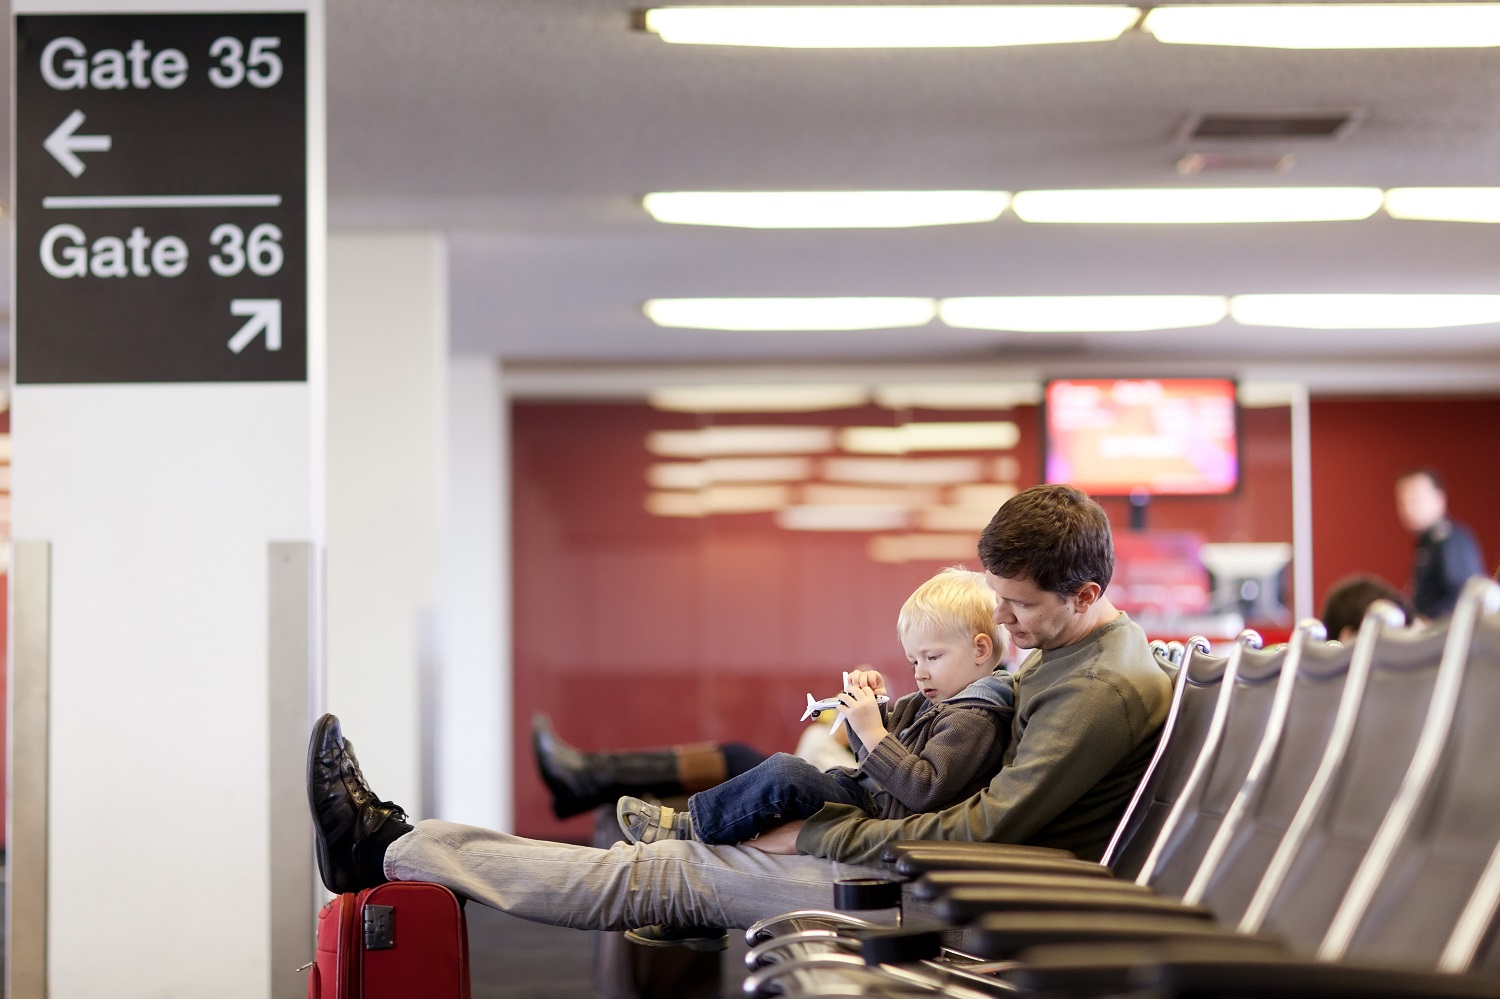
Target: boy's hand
x: 867, y: 678
x: 862, y: 712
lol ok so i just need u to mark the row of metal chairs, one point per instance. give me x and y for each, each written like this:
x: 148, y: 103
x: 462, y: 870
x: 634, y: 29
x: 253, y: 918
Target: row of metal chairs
x: 1318, y: 820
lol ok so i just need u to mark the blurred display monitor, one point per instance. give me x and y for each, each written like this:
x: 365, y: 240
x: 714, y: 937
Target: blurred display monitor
x: 1143, y: 436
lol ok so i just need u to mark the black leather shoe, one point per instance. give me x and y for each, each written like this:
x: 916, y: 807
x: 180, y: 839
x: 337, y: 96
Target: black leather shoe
x: 579, y: 781
x: 353, y: 827
x: 565, y: 770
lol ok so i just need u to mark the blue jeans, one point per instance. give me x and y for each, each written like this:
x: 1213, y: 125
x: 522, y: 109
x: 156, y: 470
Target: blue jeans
x: 782, y: 788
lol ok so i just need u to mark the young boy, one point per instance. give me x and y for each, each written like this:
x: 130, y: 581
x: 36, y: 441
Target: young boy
x: 922, y: 753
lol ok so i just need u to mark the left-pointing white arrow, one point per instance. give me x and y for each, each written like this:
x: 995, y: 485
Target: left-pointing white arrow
x: 64, y: 145
x: 265, y: 314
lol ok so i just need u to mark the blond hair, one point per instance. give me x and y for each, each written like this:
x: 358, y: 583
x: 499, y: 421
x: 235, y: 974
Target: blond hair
x: 957, y: 603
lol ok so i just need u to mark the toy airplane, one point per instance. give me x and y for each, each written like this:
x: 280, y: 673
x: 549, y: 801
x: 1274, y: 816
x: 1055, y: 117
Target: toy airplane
x: 815, y: 708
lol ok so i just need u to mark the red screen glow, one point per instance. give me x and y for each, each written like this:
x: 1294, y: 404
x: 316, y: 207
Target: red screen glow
x: 1169, y: 437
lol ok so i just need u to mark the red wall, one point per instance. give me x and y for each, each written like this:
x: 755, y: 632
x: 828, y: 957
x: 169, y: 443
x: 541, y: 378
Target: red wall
x: 1359, y: 446
x: 633, y: 630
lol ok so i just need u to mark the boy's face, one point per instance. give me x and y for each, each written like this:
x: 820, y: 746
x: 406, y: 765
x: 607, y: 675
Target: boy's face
x: 1036, y: 618
x: 944, y: 664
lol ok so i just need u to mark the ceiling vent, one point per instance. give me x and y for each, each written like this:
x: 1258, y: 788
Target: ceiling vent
x: 1273, y: 127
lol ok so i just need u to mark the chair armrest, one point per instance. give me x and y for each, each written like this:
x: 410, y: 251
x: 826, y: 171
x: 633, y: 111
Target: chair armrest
x: 935, y: 884
x: 894, y: 850
x: 914, y: 863
x: 1286, y: 977
x: 1107, y: 968
x: 964, y: 905
x: 1005, y: 935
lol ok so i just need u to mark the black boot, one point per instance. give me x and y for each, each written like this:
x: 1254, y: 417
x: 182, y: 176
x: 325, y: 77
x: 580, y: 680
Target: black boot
x: 580, y: 781
x: 353, y: 827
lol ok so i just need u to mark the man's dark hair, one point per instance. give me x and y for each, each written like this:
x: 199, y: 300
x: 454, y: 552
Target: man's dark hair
x: 1053, y: 535
x: 1431, y: 473
x: 1346, y: 603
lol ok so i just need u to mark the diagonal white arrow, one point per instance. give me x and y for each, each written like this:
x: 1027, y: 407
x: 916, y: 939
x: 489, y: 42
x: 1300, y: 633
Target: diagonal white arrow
x: 64, y: 145
x: 265, y: 314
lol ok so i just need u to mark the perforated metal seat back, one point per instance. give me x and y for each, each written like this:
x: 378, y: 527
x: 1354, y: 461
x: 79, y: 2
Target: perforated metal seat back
x: 1250, y: 700
x: 1386, y: 730
x: 1204, y: 672
x: 1456, y: 829
x: 1316, y: 694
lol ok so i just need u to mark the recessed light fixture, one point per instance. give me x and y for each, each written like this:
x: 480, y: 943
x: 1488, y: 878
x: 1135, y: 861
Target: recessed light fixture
x: 757, y: 398
x: 1084, y: 313
x: 902, y: 471
x: 959, y: 395
x: 830, y: 494
x: 993, y: 436
x: 790, y: 314
x: 1365, y: 312
x: 708, y: 441
x: 1198, y: 206
x: 842, y: 518
x: 922, y: 547
x: 699, y: 474
x: 1329, y: 26
x: 826, y: 209
x: 1444, y: 204
x: 863, y: 27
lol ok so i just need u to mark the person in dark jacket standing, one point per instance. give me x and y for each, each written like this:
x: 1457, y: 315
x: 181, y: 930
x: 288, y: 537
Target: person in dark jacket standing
x: 1446, y: 552
x: 922, y: 753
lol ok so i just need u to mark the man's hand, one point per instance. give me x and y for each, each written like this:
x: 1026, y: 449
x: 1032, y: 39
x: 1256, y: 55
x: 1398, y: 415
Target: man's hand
x: 781, y: 840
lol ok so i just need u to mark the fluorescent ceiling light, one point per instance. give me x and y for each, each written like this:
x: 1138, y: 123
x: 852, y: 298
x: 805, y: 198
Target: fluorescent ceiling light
x: 902, y: 471
x: 984, y: 497
x: 1188, y: 206
x: 699, y: 474
x: 825, y: 494
x: 819, y: 27
x: 959, y: 395
x: 1330, y: 26
x: 675, y: 505
x: 1444, y: 204
x: 1084, y: 313
x: 799, y: 314
x: 707, y: 441
x: 1365, y: 312
x: 842, y: 518
x: 718, y: 499
x: 757, y: 398
x: 997, y: 436
x: 745, y: 499
x: 826, y: 209
x: 921, y: 547
x: 954, y: 518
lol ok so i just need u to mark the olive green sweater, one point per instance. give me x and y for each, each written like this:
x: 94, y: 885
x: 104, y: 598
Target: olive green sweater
x: 1086, y: 724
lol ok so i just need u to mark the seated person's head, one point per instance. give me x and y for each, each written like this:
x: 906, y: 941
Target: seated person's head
x: 1344, y: 607
x: 1048, y: 554
x: 948, y: 630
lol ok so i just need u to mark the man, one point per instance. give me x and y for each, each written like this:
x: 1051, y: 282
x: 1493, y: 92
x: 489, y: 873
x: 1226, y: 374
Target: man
x: 1090, y: 703
x: 1446, y: 552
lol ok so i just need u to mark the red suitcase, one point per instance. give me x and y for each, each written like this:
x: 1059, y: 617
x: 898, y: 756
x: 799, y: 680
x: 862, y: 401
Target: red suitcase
x: 399, y: 940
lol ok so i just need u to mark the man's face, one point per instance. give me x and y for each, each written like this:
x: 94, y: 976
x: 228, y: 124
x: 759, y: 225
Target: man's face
x: 1419, y: 503
x: 1036, y: 618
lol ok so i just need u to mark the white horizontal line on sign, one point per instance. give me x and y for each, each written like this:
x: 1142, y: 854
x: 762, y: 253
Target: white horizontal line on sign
x: 164, y: 201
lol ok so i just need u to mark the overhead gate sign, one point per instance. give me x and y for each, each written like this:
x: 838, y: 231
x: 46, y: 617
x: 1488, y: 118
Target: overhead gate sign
x: 161, y: 198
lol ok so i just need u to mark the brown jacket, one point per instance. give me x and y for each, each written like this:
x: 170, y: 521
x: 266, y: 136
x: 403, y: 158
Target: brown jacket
x: 934, y: 755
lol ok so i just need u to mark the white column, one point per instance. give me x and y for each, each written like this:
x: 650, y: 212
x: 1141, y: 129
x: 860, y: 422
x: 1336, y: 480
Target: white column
x: 387, y: 364
x: 473, y: 718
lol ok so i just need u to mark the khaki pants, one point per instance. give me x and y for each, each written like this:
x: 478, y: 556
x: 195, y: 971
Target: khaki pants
x: 674, y: 882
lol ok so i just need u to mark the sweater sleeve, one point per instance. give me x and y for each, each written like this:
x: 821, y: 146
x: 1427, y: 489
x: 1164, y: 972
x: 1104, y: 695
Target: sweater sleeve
x: 962, y: 740
x: 1076, y: 732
